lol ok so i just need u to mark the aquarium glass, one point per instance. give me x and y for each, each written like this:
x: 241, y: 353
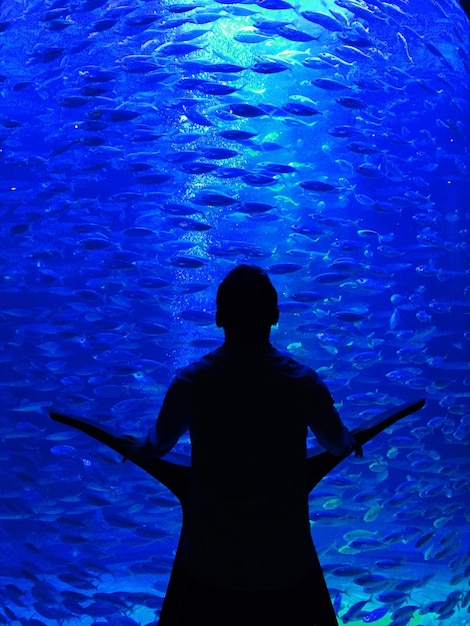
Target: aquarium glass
x: 148, y: 147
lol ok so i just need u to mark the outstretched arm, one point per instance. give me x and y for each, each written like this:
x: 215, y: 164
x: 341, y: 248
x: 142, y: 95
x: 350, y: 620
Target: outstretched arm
x: 328, y: 428
x: 172, y: 422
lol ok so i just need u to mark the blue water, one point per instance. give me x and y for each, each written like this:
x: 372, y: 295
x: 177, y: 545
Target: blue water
x: 344, y: 172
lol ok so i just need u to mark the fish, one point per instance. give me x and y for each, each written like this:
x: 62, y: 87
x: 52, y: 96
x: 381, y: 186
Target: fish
x: 268, y: 66
x: 237, y: 135
x: 330, y: 84
x: 246, y: 110
x: 292, y: 34
x: 351, y: 102
x: 328, y: 22
x: 297, y: 108
x: 249, y: 35
x: 317, y: 186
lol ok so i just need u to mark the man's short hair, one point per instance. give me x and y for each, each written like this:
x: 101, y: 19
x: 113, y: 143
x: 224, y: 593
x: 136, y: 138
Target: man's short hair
x: 246, y: 298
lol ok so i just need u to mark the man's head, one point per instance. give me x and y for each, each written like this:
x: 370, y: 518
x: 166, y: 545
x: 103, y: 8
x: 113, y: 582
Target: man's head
x: 247, y: 303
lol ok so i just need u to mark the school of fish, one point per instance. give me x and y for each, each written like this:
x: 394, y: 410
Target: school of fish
x: 145, y: 149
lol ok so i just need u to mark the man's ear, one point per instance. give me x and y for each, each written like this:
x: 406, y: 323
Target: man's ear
x: 219, y: 320
x: 275, y: 318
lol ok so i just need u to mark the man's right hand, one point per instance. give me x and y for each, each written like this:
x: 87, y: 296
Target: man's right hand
x: 132, y: 445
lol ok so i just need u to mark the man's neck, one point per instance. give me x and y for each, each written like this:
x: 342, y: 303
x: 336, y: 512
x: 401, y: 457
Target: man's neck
x: 253, y: 344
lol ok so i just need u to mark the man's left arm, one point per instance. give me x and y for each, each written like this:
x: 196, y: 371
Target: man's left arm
x: 328, y: 427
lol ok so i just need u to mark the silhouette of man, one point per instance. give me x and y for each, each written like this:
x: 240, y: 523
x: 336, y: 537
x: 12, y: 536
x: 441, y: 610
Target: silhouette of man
x: 247, y: 556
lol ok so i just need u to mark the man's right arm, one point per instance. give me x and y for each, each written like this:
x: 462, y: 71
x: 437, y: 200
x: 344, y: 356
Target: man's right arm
x: 172, y: 421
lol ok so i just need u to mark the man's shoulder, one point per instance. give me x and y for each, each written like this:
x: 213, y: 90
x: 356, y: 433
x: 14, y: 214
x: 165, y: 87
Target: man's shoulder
x: 285, y: 363
x: 206, y: 362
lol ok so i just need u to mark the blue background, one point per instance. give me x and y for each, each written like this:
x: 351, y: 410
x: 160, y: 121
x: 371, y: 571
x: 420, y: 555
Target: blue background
x: 124, y: 200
